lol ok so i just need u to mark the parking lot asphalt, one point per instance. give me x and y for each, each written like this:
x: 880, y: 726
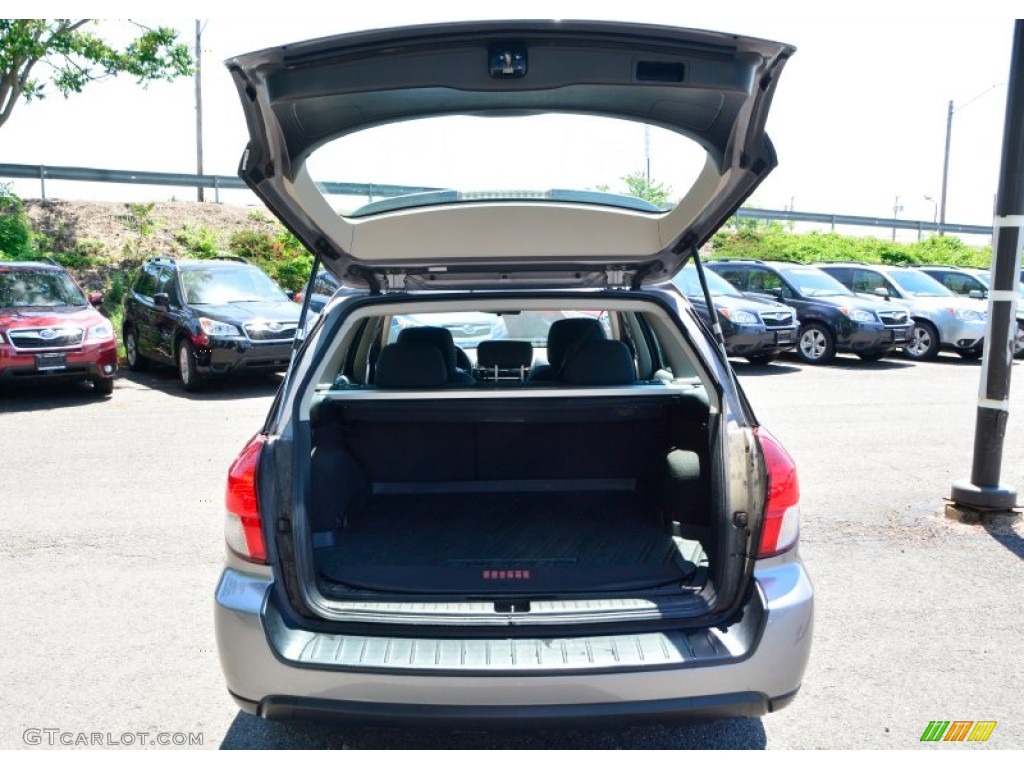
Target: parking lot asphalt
x: 111, y: 541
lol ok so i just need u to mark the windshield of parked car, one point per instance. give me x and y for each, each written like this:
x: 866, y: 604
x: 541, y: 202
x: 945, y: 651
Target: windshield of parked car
x: 813, y: 282
x: 918, y: 284
x: 229, y: 285
x: 468, y: 329
x: 688, y: 282
x: 39, y: 288
x: 587, y: 159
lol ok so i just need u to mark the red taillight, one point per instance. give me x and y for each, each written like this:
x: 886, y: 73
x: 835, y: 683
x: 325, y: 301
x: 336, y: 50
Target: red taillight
x: 243, y: 530
x: 781, y: 525
x: 298, y: 297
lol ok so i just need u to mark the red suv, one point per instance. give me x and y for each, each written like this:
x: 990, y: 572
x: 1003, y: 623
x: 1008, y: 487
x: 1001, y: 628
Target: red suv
x: 50, y: 330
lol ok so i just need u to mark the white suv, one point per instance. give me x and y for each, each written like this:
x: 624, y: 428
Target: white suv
x: 579, y: 518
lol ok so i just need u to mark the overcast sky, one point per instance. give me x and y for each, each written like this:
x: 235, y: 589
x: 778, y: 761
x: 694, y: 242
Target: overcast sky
x: 859, y: 115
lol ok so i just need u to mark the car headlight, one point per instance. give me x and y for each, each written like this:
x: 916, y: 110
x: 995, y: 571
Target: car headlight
x: 740, y: 316
x: 858, y: 315
x: 217, y: 328
x: 969, y: 315
x: 101, y: 332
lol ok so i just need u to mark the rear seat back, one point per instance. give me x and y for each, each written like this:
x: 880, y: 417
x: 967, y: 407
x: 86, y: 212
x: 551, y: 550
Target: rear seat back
x: 599, y: 363
x: 563, y: 336
x: 410, y: 365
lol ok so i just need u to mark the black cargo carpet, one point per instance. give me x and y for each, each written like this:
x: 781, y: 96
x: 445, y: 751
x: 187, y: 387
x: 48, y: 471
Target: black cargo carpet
x: 497, y: 543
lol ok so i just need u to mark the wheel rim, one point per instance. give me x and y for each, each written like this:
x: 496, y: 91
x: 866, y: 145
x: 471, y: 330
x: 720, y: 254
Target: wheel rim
x: 813, y: 344
x: 129, y: 348
x: 183, y: 366
x: 920, y: 342
x: 1018, y: 345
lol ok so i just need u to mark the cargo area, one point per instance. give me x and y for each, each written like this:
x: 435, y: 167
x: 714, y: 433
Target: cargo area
x: 531, y: 496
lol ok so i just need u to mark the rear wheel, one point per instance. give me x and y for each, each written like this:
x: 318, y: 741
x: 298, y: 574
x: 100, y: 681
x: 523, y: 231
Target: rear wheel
x: 815, y: 345
x: 136, y: 362
x: 188, y: 372
x: 924, y: 342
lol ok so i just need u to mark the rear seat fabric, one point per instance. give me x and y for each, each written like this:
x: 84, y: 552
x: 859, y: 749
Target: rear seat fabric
x: 563, y: 336
x: 411, y: 365
x: 442, y: 339
x: 597, y: 363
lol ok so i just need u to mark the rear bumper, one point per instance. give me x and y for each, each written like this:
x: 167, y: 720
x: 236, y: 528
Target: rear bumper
x: 609, y: 714
x: 278, y: 672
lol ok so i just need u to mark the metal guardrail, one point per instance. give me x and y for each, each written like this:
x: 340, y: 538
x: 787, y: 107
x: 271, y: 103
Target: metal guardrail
x: 217, y: 183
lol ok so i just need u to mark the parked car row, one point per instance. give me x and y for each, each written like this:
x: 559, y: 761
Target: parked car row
x: 211, y: 318
x: 870, y: 309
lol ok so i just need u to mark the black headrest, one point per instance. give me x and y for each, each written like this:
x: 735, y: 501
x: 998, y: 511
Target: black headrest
x: 504, y: 354
x: 437, y: 336
x: 410, y: 365
x: 569, y: 332
x: 602, y: 362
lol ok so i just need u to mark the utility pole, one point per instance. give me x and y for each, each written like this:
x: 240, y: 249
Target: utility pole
x: 983, y: 493
x: 199, y: 107
x: 945, y: 168
x: 896, y: 208
x: 945, y: 160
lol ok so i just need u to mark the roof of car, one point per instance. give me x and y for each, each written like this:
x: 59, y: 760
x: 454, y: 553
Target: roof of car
x: 11, y: 265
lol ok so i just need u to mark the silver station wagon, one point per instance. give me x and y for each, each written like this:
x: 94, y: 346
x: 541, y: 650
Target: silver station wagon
x: 575, y: 516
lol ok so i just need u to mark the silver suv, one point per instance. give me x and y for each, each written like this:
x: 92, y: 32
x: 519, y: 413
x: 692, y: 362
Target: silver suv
x: 942, y: 320
x: 581, y: 519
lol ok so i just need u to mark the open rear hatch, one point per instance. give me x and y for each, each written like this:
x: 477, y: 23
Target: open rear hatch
x: 712, y: 88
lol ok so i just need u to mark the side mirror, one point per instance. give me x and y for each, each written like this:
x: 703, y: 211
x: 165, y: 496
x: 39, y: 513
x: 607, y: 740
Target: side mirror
x: 95, y: 298
x: 777, y: 293
x: 161, y: 299
x: 882, y: 291
x: 977, y: 294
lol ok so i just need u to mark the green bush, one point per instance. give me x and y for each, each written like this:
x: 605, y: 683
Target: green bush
x: 199, y: 241
x: 750, y: 239
x: 292, y: 274
x: 256, y: 247
x: 15, y: 229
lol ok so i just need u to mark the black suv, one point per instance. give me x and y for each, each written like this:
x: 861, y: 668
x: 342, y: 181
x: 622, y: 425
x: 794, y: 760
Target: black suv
x: 207, y: 317
x: 832, y: 319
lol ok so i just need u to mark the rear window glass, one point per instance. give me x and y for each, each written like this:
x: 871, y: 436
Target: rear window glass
x: 573, y: 158
x: 468, y: 329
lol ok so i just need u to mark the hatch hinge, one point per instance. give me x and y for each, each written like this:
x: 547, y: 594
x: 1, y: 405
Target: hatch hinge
x: 394, y: 282
x: 615, y: 277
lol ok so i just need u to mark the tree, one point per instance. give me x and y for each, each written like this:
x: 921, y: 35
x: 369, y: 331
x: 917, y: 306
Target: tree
x: 649, y: 190
x: 74, y: 56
